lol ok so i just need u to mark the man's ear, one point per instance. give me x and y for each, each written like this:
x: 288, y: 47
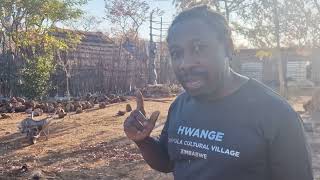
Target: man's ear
x: 228, y: 54
x: 229, y: 49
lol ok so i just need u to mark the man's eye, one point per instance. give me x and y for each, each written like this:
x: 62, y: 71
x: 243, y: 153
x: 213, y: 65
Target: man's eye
x: 198, y: 48
x: 176, y: 55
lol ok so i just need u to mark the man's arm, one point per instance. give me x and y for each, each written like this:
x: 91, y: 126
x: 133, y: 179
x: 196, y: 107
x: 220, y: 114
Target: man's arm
x: 155, y: 155
x: 138, y: 128
x: 155, y: 152
x: 289, y: 153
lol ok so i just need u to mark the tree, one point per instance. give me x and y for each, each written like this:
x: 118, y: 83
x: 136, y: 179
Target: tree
x: 127, y: 15
x: 226, y: 7
x: 27, y: 32
x: 277, y: 24
x: 259, y: 28
x: 270, y: 24
x: 36, y: 75
x: 86, y: 23
x: 310, y: 19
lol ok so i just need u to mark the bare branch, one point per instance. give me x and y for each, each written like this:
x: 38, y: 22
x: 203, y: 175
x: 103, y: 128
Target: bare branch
x: 317, y: 5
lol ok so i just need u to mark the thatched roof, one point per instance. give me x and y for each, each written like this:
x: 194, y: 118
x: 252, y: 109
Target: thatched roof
x: 92, y: 37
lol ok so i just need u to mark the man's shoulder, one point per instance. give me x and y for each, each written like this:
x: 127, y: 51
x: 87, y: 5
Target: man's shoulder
x: 273, y: 109
x: 266, y: 96
x: 182, y: 97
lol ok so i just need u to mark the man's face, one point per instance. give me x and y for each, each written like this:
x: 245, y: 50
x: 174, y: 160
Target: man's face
x: 198, y: 57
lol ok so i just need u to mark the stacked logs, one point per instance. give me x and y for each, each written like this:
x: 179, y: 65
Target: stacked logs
x: 17, y: 104
x: 161, y: 91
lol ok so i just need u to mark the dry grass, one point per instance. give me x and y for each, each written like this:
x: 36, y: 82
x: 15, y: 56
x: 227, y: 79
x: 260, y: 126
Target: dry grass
x: 91, y: 145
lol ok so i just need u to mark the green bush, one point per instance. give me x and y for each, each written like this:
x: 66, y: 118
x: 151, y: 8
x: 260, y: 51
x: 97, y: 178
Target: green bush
x: 36, y: 75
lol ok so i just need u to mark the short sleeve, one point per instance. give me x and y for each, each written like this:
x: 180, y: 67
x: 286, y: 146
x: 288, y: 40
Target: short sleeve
x: 289, y: 152
x: 163, y: 138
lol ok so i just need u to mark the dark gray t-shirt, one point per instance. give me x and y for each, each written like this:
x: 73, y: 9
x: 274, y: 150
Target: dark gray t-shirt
x: 252, y: 134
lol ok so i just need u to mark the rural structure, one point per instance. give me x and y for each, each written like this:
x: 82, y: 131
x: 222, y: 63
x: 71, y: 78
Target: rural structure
x: 100, y: 65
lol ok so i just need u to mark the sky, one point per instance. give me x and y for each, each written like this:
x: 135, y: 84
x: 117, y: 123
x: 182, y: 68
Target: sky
x: 96, y: 8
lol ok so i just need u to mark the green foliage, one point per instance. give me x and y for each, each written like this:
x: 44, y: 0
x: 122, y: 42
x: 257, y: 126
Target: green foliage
x: 36, y: 75
x: 254, y: 20
x: 27, y: 28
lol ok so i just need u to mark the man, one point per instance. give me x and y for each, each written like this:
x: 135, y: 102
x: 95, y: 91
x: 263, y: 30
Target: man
x: 225, y: 126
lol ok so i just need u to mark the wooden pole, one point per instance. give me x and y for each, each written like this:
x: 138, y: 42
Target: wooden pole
x: 278, y: 50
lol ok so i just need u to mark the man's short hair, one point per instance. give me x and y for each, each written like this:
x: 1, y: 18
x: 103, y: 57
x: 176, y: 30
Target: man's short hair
x: 215, y: 20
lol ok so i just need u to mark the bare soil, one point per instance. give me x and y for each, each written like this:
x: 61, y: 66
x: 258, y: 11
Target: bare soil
x: 92, y: 145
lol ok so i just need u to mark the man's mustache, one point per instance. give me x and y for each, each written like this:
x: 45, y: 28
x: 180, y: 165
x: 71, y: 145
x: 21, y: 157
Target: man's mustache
x: 191, y: 73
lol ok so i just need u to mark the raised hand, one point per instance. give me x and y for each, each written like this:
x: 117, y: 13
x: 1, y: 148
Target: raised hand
x: 137, y: 126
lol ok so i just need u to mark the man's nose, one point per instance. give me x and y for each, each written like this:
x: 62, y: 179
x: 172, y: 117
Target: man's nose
x: 188, y: 63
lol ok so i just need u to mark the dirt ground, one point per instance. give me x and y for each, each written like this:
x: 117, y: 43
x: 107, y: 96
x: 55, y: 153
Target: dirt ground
x: 92, y: 145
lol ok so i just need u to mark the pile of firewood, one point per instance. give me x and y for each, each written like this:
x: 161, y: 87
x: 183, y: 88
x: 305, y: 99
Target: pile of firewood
x: 14, y: 105
x: 160, y: 91
x: 17, y: 104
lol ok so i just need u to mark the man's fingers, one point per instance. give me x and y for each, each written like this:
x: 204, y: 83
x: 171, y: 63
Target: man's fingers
x: 133, y: 125
x: 154, y: 116
x: 138, y: 124
x: 140, y: 102
x: 139, y: 116
x: 137, y: 119
x: 131, y: 130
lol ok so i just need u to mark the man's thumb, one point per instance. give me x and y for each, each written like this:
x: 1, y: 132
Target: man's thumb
x: 154, y: 116
x: 140, y: 102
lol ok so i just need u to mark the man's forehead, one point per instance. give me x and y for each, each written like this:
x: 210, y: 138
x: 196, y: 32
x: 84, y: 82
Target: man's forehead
x: 191, y: 41
x: 190, y: 31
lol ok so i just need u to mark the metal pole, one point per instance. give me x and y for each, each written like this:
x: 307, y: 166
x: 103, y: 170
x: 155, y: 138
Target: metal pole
x: 152, y: 67
x: 162, y: 74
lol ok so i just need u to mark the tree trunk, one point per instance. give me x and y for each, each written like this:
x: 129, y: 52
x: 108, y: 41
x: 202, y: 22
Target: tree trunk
x: 278, y: 50
x: 227, y: 11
